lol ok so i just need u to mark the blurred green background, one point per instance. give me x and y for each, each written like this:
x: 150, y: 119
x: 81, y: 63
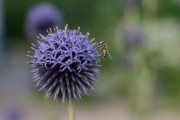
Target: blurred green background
x: 142, y: 81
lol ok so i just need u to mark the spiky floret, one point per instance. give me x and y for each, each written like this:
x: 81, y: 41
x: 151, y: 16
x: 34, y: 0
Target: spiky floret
x: 65, y: 63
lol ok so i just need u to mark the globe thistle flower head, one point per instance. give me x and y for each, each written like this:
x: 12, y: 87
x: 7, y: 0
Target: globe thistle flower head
x: 65, y: 63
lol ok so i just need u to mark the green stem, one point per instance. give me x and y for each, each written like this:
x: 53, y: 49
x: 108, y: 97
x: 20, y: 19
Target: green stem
x: 71, y: 111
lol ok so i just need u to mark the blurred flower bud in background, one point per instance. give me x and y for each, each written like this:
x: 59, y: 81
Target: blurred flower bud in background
x: 133, y: 36
x: 41, y: 17
x: 13, y: 112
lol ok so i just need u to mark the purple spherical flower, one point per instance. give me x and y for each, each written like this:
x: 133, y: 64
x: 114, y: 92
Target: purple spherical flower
x: 65, y: 63
x: 41, y: 17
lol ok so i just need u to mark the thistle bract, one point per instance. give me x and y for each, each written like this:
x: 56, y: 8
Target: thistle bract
x: 65, y: 64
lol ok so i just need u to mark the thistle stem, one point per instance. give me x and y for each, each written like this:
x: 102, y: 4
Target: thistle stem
x: 71, y: 111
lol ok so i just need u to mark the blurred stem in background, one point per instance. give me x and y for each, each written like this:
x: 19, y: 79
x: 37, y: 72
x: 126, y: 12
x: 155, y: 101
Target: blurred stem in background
x: 141, y: 90
x: 1, y: 30
x: 150, y: 8
x: 130, y: 11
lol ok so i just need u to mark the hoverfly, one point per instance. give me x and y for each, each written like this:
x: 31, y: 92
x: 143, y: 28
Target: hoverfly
x: 103, y: 46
